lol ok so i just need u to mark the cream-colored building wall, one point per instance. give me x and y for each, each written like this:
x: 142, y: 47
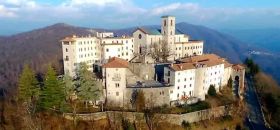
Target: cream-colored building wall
x: 184, y: 84
x: 110, y: 51
x: 194, y: 82
x: 199, y: 82
x: 188, y: 49
x: 118, y: 47
x: 213, y: 76
x: 226, y: 76
x: 115, y: 84
x: 169, y: 76
x: 69, y: 57
x: 153, y: 39
x: 139, y: 42
x: 168, y: 24
x: 85, y: 49
x: 104, y: 34
x: 88, y: 51
x: 181, y: 38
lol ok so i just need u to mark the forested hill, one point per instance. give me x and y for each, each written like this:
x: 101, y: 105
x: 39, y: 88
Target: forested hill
x: 37, y: 48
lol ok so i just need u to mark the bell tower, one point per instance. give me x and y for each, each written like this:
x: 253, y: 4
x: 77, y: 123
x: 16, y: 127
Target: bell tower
x: 168, y: 32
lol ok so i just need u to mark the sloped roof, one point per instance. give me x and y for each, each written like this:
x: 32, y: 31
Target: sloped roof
x: 177, y: 31
x: 69, y: 38
x: 182, y: 66
x: 150, y: 31
x: 116, y: 63
x: 155, y: 31
x: 206, y: 59
x: 238, y: 67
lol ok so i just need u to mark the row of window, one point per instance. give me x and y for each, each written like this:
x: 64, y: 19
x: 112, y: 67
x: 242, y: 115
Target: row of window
x: 184, y: 79
x: 87, y: 42
x: 189, y: 48
x: 85, y: 49
x: 107, y: 50
x: 117, y: 41
x: 187, y: 55
x: 87, y: 55
x: 185, y: 86
x: 184, y: 94
x: 186, y: 72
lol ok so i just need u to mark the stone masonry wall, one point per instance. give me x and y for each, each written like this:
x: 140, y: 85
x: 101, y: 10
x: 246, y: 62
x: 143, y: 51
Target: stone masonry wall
x: 115, y: 116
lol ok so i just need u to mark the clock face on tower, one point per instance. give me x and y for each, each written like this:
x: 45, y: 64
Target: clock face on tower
x: 139, y: 36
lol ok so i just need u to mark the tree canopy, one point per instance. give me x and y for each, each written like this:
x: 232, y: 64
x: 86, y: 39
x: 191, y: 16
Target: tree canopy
x: 230, y: 82
x: 212, y: 90
x: 252, y: 67
x: 87, y: 89
x: 52, y: 94
x: 28, y: 85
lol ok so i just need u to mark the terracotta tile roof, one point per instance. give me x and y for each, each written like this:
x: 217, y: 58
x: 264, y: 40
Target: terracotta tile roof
x: 116, y: 63
x: 227, y: 64
x: 182, y: 66
x: 69, y: 39
x: 206, y: 59
x: 238, y: 67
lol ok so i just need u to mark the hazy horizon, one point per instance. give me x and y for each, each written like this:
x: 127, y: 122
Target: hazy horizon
x: 23, y: 15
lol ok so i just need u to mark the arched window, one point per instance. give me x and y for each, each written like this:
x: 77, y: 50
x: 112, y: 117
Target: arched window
x: 66, y: 58
x: 171, y: 23
x: 164, y: 22
x: 139, y: 36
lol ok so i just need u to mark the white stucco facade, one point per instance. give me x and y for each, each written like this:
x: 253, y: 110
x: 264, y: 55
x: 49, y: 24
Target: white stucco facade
x: 94, y: 50
x: 115, y: 85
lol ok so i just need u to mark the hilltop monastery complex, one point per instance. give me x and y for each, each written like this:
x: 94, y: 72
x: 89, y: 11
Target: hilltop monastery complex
x: 127, y: 65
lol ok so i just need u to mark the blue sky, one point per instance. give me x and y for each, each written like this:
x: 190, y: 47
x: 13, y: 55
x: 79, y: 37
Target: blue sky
x: 23, y: 15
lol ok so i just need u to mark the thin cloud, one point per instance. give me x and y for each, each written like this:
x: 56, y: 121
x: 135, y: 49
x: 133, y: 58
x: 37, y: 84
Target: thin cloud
x: 6, y: 13
x: 123, y: 13
x: 172, y: 7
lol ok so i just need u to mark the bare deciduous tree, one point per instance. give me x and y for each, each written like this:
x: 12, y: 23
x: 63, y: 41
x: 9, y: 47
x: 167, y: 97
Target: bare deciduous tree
x: 160, y: 51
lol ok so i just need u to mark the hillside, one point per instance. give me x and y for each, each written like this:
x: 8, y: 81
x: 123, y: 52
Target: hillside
x: 268, y: 38
x: 38, y: 48
x: 41, y: 47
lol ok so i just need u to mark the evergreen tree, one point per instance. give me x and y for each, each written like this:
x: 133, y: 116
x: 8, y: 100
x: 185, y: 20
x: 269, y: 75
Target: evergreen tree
x: 212, y: 90
x: 87, y: 88
x: 69, y: 89
x: 28, y: 85
x: 52, y: 94
x: 229, y: 83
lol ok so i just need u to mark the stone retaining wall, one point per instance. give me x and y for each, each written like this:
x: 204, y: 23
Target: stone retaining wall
x: 115, y: 116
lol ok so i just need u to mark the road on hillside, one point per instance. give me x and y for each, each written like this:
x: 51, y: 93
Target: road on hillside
x: 254, y: 119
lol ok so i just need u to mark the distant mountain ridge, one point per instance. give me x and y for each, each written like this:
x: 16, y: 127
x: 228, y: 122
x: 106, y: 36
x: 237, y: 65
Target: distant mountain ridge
x: 42, y: 46
x: 267, y: 38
